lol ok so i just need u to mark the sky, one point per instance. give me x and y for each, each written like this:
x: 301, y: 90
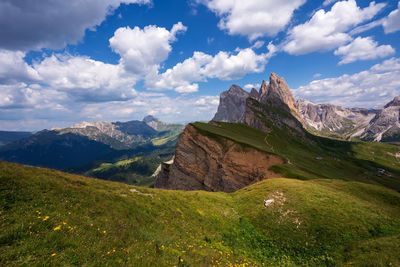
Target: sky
x: 64, y: 62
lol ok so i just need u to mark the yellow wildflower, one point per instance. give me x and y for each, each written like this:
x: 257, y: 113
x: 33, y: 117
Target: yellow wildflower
x: 181, y: 260
x: 53, y: 254
x: 57, y: 228
x: 64, y: 223
x: 113, y: 249
x: 108, y: 252
x: 46, y: 218
x: 104, y: 232
x: 91, y: 225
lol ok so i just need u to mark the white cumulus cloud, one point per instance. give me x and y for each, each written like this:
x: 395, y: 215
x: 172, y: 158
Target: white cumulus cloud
x: 142, y: 50
x: 370, y: 88
x: 27, y: 25
x: 363, y: 49
x: 253, y: 18
x: 199, y: 67
x: 328, y: 30
x: 86, y: 79
x: 392, y: 22
x: 14, y: 69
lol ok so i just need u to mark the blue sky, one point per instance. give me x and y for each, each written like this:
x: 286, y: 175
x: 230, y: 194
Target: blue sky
x: 63, y: 62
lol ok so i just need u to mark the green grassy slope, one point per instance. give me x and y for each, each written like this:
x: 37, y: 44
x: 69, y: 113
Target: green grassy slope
x: 313, y: 157
x: 168, y: 133
x: 134, y: 166
x: 135, y: 171
x: 53, y: 218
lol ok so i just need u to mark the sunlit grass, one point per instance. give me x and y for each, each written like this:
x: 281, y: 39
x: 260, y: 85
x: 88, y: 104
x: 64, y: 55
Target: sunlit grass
x: 49, y: 217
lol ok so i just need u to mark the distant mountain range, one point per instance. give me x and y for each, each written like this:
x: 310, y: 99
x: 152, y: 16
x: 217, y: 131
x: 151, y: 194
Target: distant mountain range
x: 322, y: 119
x: 87, y: 145
x: 7, y: 137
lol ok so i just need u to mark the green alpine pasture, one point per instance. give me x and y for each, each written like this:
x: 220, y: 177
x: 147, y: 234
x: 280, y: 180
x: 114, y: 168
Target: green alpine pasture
x: 52, y: 218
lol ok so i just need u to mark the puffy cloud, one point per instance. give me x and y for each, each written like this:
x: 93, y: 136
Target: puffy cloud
x: 328, y: 2
x: 226, y: 66
x: 208, y: 100
x: 200, y: 66
x: 14, y: 69
x: 363, y: 49
x: 387, y: 65
x: 27, y: 25
x: 371, y: 88
x: 142, y: 50
x: 12, y: 96
x: 250, y: 86
x: 181, y: 75
x: 392, y: 22
x: 253, y: 18
x: 258, y: 44
x: 86, y: 79
x: 22, y: 95
x: 327, y: 30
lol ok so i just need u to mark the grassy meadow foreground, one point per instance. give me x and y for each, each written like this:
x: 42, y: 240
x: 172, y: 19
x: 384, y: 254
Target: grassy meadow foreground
x: 49, y: 217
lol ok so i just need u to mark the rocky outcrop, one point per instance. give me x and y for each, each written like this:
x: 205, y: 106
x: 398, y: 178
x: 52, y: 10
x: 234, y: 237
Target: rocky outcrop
x: 232, y: 105
x: 278, y: 95
x: 273, y: 102
x: 394, y: 103
x: 254, y: 94
x: 365, y: 124
x: 385, y: 126
x: 202, y: 163
x: 274, y: 106
x: 264, y: 117
x: 154, y: 123
x: 335, y: 119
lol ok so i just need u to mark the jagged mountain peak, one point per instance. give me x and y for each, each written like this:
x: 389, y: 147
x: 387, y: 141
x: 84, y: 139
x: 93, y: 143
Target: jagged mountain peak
x: 150, y: 118
x: 263, y: 88
x: 232, y: 104
x: 254, y: 93
x: 394, y: 103
x: 236, y: 89
x: 277, y: 93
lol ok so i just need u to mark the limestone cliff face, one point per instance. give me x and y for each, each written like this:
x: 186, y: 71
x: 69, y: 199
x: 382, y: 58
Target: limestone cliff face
x: 278, y: 95
x: 232, y: 105
x: 385, y: 126
x: 202, y: 163
x: 335, y: 119
x: 263, y: 117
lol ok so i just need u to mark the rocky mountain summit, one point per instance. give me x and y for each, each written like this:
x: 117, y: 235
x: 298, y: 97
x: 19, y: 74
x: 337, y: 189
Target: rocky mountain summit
x: 385, y: 126
x: 237, y: 105
x: 118, y: 135
x: 365, y: 124
x: 334, y: 119
x: 275, y: 94
x: 232, y: 105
